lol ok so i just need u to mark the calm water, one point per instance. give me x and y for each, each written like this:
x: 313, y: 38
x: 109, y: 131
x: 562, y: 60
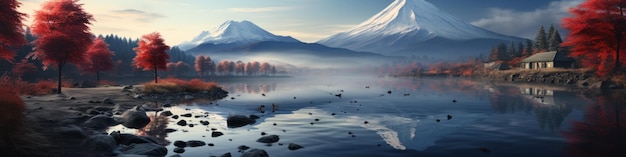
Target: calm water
x: 487, y: 119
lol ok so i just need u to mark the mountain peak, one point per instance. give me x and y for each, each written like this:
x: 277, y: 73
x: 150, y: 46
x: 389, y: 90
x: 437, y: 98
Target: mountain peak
x: 234, y: 32
x: 408, y: 22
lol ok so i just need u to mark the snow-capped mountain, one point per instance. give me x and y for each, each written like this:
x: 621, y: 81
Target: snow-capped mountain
x: 234, y: 33
x: 415, y: 26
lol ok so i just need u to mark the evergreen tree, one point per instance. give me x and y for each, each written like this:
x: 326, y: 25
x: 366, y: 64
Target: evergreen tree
x: 520, y: 49
x: 511, y: 51
x: 502, y: 52
x: 549, y: 33
x: 529, y: 48
x: 555, y: 41
x: 541, y: 42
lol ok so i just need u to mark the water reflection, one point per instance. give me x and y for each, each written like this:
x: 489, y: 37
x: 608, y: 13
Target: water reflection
x: 250, y: 87
x: 156, y: 129
x: 602, y: 131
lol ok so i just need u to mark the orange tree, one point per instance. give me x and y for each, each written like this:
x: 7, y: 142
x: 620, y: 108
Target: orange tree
x: 63, y: 31
x: 152, y: 54
x: 597, y: 29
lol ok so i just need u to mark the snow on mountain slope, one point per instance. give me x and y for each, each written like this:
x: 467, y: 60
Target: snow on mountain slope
x: 234, y: 32
x: 405, y: 23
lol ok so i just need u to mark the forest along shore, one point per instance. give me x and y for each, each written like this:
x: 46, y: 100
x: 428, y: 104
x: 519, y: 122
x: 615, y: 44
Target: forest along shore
x: 74, y: 123
x: 576, y: 78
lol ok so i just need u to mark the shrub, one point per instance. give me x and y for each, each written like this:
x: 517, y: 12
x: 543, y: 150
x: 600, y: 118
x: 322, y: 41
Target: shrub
x: 173, y: 85
x: 11, y: 113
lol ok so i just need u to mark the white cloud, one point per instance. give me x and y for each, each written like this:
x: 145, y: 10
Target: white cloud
x: 526, y: 24
x: 256, y: 10
x: 138, y: 15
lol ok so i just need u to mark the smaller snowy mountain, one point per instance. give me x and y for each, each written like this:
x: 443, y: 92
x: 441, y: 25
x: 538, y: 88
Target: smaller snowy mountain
x: 234, y: 33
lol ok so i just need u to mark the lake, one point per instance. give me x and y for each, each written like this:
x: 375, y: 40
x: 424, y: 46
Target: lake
x: 387, y: 116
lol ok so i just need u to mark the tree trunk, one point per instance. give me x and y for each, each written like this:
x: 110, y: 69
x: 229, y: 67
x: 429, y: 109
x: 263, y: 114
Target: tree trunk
x: 155, y: 75
x: 60, y: 65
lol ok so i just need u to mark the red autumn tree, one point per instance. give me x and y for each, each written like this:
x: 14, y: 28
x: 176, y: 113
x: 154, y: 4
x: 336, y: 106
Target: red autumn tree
x: 200, y: 65
x: 23, y: 67
x: 99, y: 58
x: 597, y: 29
x: 11, y: 31
x: 63, y: 31
x: 152, y: 54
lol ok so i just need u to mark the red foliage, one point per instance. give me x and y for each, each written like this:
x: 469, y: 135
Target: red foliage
x: 11, y: 113
x: 597, y: 29
x: 11, y: 31
x: 98, y: 58
x: 152, y: 53
x: 23, y: 67
x: 63, y: 31
x: 199, y: 66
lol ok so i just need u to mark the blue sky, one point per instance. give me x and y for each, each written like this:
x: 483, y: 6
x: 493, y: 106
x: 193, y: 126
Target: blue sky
x: 306, y: 20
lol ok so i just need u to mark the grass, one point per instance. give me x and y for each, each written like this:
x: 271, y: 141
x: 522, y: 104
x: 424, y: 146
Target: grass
x: 174, y: 85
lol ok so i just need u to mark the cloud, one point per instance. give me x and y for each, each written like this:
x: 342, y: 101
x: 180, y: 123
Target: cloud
x: 137, y: 15
x: 526, y: 24
x: 256, y: 10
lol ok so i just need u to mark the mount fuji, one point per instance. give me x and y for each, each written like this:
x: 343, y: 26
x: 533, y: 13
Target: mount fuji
x: 416, y: 27
x: 244, y: 38
x: 234, y: 33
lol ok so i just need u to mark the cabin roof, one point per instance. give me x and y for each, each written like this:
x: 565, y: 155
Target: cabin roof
x: 548, y: 57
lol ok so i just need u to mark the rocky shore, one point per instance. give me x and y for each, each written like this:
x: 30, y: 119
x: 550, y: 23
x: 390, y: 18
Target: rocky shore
x: 74, y: 124
x: 571, y: 78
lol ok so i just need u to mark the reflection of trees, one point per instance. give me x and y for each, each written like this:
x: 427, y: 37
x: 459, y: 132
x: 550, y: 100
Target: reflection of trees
x: 156, y: 129
x: 250, y: 88
x: 601, y: 133
x: 552, y: 117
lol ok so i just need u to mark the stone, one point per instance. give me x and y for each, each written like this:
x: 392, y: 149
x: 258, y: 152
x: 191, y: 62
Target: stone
x: 166, y: 113
x: 170, y: 130
x: 195, y: 143
x: 269, y: 139
x: 146, y: 149
x: 226, y: 155
x: 70, y: 130
x: 255, y: 153
x: 216, y: 134
x: 600, y: 85
x: 100, y: 122
x: 182, y: 122
x: 135, y: 118
x: 107, y: 101
x: 238, y: 121
x: 186, y: 115
x: 180, y: 143
x: 101, y: 144
x: 243, y: 147
x: 128, y: 139
x: 188, y: 97
x: 293, y: 146
x: 204, y: 122
x: 119, y: 109
x: 175, y: 117
x: 179, y: 150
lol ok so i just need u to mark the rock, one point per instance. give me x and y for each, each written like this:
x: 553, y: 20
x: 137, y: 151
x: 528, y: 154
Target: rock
x: 100, y: 122
x: 186, y: 115
x: 70, y: 130
x: 170, y: 130
x: 269, y: 139
x: 255, y: 153
x: 167, y: 105
x: 138, y: 96
x: 119, y: 109
x: 253, y: 116
x: 128, y: 87
x: 210, y: 144
x: 195, y: 143
x: 71, y: 98
x: 203, y: 122
x: 93, y: 112
x: 243, y: 147
x: 128, y: 139
x: 166, y: 113
x: 180, y: 143
x: 101, y: 144
x: 107, y: 101
x: 226, y: 155
x: 135, y: 118
x: 216, y: 134
x: 238, y: 121
x: 182, y: 123
x: 146, y: 149
x: 175, y: 117
x: 293, y: 146
x: 179, y: 150
x: 188, y: 97
x: 600, y: 85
